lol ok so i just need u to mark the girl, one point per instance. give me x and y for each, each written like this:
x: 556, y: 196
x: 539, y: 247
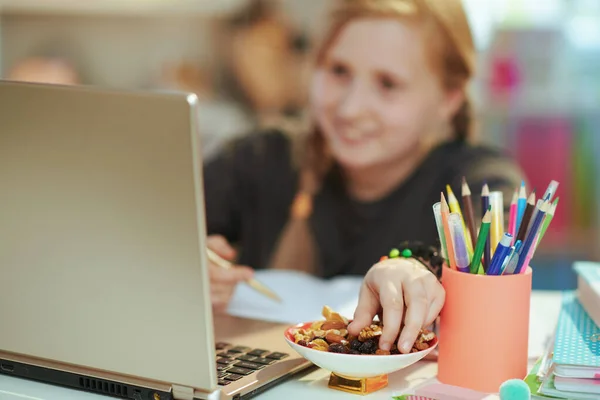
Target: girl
x: 391, y: 127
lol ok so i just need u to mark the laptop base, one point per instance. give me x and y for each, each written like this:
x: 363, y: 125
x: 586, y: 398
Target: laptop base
x: 80, y: 382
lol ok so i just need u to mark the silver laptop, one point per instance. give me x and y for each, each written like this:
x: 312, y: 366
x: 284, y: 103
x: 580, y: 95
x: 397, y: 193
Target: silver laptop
x: 103, y: 271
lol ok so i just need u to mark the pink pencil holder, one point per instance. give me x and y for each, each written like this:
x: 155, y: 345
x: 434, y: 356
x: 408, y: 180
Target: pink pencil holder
x: 484, y: 329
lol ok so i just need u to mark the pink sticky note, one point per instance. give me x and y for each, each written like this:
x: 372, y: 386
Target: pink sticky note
x: 440, y: 391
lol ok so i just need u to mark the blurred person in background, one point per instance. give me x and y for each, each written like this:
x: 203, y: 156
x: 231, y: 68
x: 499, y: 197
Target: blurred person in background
x: 391, y: 126
x: 220, y: 119
x: 266, y: 61
x: 51, y: 70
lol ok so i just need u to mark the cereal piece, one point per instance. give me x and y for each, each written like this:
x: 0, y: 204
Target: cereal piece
x: 369, y: 332
x: 298, y: 337
x: 380, y: 352
x: 326, y: 312
x: 330, y: 315
x: 327, y: 325
x: 317, y: 325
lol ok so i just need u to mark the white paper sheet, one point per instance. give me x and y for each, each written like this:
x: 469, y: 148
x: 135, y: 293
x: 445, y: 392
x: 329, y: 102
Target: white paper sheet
x: 303, y: 297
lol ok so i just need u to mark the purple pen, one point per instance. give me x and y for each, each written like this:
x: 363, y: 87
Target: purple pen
x: 461, y: 253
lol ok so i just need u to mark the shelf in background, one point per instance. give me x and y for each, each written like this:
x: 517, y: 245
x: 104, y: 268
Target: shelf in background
x: 126, y: 7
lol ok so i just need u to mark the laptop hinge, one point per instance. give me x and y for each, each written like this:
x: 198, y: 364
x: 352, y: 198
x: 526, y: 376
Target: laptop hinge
x: 182, y: 393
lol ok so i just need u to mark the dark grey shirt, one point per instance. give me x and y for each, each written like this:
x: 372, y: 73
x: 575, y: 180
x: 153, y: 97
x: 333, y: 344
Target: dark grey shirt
x: 251, y: 185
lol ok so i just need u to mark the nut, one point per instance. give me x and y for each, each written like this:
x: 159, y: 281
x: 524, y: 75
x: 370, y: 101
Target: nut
x: 320, y: 344
x: 380, y: 352
x: 421, y: 346
x: 427, y: 336
x: 327, y: 325
x: 319, y: 333
x: 369, y: 332
x: 332, y: 337
x: 298, y: 337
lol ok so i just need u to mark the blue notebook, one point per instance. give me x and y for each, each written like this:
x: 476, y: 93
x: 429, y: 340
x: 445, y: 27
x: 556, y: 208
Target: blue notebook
x: 577, y: 342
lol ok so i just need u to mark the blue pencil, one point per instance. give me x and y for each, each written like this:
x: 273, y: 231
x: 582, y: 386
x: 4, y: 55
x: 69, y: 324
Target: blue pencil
x: 485, y: 203
x: 530, y: 238
x: 521, y: 205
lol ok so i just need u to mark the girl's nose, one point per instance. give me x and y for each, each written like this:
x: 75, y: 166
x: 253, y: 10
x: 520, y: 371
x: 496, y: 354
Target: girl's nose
x: 354, y: 102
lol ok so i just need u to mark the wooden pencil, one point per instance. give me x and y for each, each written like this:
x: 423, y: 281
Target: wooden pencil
x: 485, y: 203
x: 447, y: 234
x: 253, y: 283
x: 469, y: 213
x: 526, y: 217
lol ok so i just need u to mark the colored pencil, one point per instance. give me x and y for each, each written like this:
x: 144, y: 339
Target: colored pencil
x: 530, y: 238
x: 512, y: 216
x: 437, y: 213
x: 469, y: 213
x: 253, y: 283
x: 551, y: 190
x: 449, y: 246
x: 547, y: 220
x: 485, y: 203
x: 481, y: 241
x: 497, y: 227
x: 521, y: 205
x: 526, y: 217
x: 455, y: 208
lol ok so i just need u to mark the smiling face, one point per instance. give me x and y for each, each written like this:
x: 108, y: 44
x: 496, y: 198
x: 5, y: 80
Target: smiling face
x: 376, y: 94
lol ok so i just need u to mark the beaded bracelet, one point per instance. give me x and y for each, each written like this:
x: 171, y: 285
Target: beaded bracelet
x: 427, y: 255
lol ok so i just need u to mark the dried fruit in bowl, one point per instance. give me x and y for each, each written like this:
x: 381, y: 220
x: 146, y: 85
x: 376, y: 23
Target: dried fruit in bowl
x: 331, y: 334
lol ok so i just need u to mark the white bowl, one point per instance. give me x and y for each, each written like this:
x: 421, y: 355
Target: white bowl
x: 354, y: 365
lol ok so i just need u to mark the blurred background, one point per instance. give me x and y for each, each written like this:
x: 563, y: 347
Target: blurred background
x: 537, y: 92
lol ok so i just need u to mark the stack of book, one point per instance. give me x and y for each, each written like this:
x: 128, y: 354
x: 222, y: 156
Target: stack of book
x: 570, y: 369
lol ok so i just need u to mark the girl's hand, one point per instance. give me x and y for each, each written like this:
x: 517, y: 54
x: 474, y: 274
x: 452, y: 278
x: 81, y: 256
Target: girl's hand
x: 402, y: 292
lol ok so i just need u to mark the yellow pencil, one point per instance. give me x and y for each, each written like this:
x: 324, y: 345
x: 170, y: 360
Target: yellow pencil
x: 455, y: 208
x: 497, y: 227
x: 253, y: 283
x: 447, y: 233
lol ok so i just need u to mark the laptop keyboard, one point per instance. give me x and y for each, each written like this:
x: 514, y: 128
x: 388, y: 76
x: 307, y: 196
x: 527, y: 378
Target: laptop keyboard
x: 235, y: 362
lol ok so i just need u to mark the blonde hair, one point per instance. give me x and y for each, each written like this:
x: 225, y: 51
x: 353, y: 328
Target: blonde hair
x: 451, y: 52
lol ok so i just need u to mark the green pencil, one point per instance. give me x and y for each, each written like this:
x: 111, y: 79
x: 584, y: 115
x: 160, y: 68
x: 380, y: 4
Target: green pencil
x: 486, y: 221
x: 547, y: 220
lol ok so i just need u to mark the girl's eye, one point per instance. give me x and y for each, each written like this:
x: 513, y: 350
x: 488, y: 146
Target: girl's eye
x: 387, y: 83
x: 338, y: 69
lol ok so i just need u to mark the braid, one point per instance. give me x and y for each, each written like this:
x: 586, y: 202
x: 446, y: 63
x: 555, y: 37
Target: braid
x: 463, y: 121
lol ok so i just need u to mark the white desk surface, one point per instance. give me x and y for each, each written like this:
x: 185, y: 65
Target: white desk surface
x: 545, y: 307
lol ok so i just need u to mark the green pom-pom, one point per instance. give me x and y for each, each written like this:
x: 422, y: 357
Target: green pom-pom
x: 394, y: 253
x: 406, y: 253
x: 515, y: 389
